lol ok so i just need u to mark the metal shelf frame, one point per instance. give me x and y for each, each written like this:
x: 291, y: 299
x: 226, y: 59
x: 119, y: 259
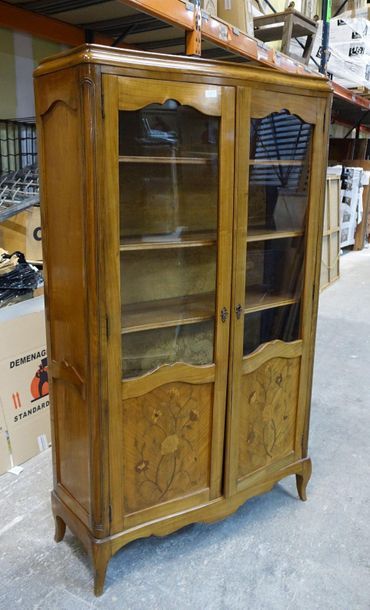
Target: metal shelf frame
x: 230, y: 38
x: 196, y: 24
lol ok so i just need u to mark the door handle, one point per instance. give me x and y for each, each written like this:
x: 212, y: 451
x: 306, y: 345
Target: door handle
x: 238, y: 311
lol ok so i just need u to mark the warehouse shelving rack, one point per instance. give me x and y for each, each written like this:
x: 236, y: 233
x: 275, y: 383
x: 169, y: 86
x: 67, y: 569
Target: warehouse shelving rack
x: 190, y: 29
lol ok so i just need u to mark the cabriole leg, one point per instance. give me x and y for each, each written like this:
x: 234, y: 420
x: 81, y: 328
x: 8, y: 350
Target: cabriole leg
x: 101, y: 557
x: 303, y: 478
x: 60, y: 528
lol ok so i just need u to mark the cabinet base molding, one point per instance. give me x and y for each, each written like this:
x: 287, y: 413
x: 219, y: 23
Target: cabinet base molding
x: 101, y: 550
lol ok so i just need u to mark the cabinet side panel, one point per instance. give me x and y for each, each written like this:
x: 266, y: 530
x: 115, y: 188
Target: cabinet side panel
x: 70, y: 421
x: 59, y: 123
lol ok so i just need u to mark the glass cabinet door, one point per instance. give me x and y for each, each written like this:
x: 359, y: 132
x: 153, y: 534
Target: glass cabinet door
x: 171, y: 173
x: 274, y: 225
x: 279, y: 166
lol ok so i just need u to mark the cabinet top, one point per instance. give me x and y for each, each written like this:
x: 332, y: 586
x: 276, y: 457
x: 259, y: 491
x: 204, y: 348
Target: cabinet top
x: 111, y: 57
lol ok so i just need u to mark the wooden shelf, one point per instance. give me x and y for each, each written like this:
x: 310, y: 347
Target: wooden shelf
x: 177, y: 160
x: 257, y: 300
x: 164, y: 241
x: 164, y: 313
x: 349, y: 96
x: 229, y: 37
x: 285, y: 162
x: 262, y: 234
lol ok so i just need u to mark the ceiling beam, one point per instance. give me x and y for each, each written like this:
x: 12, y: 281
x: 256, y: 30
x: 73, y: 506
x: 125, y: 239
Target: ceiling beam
x: 22, y: 20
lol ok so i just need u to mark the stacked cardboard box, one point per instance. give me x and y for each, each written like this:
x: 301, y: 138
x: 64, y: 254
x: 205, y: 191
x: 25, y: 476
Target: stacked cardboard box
x: 330, y: 257
x: 24, y: 391
x: 351, y: 204
x: 23, y: 232
x: 237, y: 13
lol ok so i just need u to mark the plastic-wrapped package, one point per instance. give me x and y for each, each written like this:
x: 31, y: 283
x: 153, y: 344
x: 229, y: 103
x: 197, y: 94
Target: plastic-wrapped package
x: 349, y: 51
x: 18, y: 279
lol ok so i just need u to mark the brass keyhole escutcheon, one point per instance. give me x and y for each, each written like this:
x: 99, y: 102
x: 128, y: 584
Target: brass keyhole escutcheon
x: 238, y: 311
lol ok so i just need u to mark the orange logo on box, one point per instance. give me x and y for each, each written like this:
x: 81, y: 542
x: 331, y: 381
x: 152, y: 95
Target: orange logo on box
x: 40, y: 383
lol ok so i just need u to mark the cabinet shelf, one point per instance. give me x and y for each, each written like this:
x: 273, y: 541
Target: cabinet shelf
x: 171, y: 240
x: 262, y: 233
x: 164, y: 313
x: 178, y: 160
x: 286, y: 162
x: 258, y: 300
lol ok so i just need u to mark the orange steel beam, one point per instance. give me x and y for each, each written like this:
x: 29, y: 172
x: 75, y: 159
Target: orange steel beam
x: 231, y: 38
x: 351, y: 97
x: 21, y: 19
x: 171, y: 11
x: 193, y: 38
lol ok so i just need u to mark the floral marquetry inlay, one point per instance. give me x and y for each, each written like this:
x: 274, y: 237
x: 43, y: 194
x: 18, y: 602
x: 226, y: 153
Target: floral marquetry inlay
x: 268, y: 414
x: 167, y: 451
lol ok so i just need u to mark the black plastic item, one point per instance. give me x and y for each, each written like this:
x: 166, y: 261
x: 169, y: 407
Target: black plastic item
x: 20, y: 281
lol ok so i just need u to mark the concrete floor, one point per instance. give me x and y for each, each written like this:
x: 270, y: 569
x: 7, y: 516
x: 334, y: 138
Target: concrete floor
x: 275, y: 553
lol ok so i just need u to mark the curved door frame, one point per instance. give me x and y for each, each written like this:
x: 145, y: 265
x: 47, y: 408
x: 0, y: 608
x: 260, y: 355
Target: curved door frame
x: 129, y: 93
x: 257, y: 104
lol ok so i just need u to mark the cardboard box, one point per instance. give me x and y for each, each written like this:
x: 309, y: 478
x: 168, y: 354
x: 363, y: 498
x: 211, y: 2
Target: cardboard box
x: 24, y: 391
x: 210, y: 6
x: 13, y: 233
x: 238, y: 13
x: 5, y: 462
x: 33, y: 235
x: 23, y: 232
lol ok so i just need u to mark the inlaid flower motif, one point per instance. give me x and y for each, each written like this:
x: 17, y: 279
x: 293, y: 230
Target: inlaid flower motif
x: 156, y: 415
x: 168, y: 447
x: 279, y: 379
x: 252, y: 398
x: 194, y: 415
x: 170, y: 444
x: 174, y: 393
x: 250, y: 437
x: 142, y: 466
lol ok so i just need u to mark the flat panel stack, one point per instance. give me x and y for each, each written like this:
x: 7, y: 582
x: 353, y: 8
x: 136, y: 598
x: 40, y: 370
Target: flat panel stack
x: 349, y: 207
x: 363, y: 219
x: 331, y: 230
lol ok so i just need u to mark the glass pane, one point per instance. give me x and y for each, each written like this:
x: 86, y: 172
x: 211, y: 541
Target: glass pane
x: 173, y: 285
x: 271, y: 324
x: 168, y: 130
x: 279, y: 172
x: 280, y: 149
x: 274, y: 271
x: 280, y: 135
x: 173, y: 202
x: 275, y: 207
x: 168, y: 231
x: 146, y: 351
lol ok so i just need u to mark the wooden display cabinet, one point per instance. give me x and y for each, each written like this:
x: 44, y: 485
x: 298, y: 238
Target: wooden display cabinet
x: 182, y: 207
